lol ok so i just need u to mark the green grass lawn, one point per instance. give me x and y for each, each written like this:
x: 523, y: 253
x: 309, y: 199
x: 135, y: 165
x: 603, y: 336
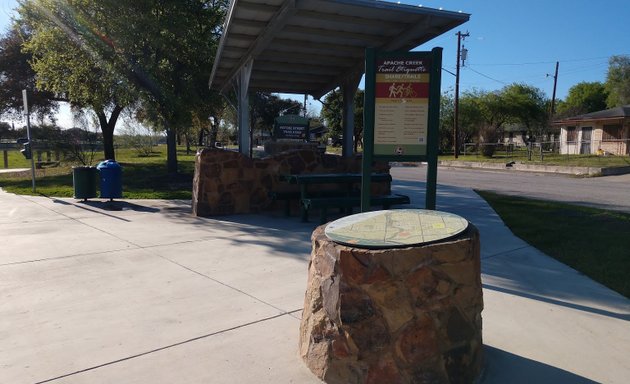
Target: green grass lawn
x: 592, y: 241
x: 143, y: 177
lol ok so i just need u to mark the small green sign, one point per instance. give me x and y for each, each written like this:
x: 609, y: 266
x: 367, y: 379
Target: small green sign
x: 292, y: 127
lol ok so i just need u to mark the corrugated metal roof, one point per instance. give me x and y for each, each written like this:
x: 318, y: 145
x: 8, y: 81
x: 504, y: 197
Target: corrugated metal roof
x: 311, y: 46
x: 613, y: 113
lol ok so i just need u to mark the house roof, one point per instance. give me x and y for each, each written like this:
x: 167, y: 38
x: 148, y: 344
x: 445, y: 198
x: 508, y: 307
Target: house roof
x: 613, y: 113
x: 311, y: 46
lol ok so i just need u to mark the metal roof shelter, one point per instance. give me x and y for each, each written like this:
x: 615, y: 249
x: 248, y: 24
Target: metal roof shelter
x: 314, y: 46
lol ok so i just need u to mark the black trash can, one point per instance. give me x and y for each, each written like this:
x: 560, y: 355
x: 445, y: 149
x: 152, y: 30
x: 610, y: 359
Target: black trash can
x: 110, y: 179
x: 84, y: 182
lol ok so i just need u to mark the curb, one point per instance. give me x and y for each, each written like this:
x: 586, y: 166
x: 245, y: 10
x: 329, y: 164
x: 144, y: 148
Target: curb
x: 514, y: 166
x: 577, y: 171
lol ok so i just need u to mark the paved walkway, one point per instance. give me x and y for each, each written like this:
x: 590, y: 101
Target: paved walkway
x: 150, y: 294
x: 14, y: 170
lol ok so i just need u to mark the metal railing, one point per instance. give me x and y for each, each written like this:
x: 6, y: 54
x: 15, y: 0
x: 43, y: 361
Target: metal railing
x: 549, y: 150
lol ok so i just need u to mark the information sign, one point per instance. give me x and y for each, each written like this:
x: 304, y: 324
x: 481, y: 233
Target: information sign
x: 401, y: 113
x: 292, y: 127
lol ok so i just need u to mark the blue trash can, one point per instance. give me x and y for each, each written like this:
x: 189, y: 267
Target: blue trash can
x: 110, y: 179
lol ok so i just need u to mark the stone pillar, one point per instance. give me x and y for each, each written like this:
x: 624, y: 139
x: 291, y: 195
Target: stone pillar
x: 407, y: 315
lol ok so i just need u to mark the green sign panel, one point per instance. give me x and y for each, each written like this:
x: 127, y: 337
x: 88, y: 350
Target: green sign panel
x: 401, y: 112
x: 291, y: 127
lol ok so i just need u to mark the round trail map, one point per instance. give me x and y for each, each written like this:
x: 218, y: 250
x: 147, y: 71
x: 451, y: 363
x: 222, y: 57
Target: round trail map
x: 395, y: 228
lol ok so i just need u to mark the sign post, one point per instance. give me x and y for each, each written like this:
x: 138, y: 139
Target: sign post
x: 28, y: 134
x: 401, y: 113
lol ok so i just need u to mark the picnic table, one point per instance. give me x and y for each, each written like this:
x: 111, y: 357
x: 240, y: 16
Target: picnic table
x: 345, y: 196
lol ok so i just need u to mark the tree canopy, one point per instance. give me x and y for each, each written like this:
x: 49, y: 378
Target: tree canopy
x: 106, y: 53
x: 68, y: 67
x: 16, y: 74
x: 584, y: 97
x: 332, y: 114
x: 165, y: 49
x: 483, y: 115
x: 618, y: 81
x: 265, y: 107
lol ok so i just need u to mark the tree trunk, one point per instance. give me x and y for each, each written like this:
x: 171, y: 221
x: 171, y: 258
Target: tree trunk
x: 202, y: 134
x: 214, y: 131
x: 107, y: 129
x: 171, y: 149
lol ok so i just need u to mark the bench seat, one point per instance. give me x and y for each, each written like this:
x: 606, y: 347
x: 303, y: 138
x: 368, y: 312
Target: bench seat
x: 289, y: 196
x: 323, y: 203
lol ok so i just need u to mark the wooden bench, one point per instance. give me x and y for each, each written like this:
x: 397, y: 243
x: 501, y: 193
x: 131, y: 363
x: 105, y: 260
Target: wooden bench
x: 344, y: 186
x: 323, y: 203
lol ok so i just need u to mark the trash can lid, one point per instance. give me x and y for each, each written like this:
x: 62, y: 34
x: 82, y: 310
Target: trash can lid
x: 108, y: 164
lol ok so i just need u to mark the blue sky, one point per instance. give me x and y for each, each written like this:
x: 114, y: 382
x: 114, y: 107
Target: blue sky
x: 520, y: 41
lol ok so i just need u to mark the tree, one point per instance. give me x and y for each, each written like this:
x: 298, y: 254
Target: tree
x: 332, y: 114
x: 470, y: 117
x: 489, y: 111
x: 165, y: 49
x: 5, y: 131
x: 67, y: 67
x: 618, y: 81
x: 16, y: 74
x: 265, y: 107
x: 359, y: 99
x: 526, y: 105
x: 584, y: 97
x: 160, y: 50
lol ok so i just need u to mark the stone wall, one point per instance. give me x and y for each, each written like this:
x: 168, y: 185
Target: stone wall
x: 410, y: 315
x: 227, y: 182
x: 275, y: 147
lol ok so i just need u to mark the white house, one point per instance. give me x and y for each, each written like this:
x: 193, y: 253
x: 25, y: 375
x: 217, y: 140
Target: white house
x: 599, y: 132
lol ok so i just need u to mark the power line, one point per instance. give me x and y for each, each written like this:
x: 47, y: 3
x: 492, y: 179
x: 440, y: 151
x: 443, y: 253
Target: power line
x: 486, y: 76
x: 551, y: 62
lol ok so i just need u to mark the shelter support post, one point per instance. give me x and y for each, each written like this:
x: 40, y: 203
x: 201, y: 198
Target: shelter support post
x: 243, y: 108
x: 349, y: 90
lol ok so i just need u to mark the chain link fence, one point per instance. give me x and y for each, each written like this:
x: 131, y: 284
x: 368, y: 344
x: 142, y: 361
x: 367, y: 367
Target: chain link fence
x: 47, y: 153
x: 552, y: 151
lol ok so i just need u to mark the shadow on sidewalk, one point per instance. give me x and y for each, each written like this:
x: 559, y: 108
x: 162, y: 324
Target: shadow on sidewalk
x: 504, y: 367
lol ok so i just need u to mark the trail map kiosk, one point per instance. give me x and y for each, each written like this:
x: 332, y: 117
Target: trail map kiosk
x: 401, y: 113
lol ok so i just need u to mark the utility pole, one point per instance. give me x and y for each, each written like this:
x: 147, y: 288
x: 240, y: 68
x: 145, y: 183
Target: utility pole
x: 460, y: 37
x: 29, y: 139
x: 555, y: 83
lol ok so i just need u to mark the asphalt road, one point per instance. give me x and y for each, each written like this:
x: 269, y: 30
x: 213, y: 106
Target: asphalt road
x: 607, y: 192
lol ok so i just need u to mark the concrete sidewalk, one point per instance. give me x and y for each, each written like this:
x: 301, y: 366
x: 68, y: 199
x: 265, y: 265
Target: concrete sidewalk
x: 150, y: 294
